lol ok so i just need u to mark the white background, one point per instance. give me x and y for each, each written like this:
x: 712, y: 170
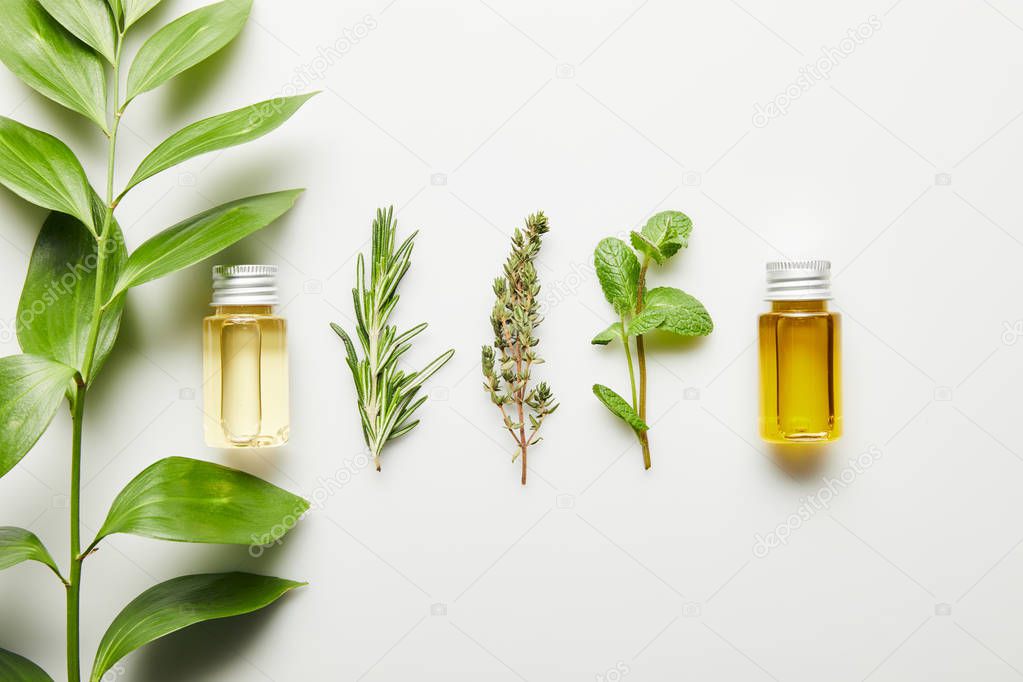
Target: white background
x: 902, y: 167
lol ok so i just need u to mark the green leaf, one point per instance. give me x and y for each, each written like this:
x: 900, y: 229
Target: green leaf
x: 136, y: 9
x: 187, y: 500
x: 619, y: 407
x: 116, y: 8
x: 618, y: 272
x: 663, y: 235
x: 89, y: 20
x: 18, y: 545
x: 31, y: 388
x: 202, y: 236
x: 15, y: 668
x: 671, y: 310
x: 181, y: 602
x: 185, y: 42
x: 52, y: 61
x: 218, y: 132
x: 40, y: 168
x: 55, y: 309
x: 608, y: 335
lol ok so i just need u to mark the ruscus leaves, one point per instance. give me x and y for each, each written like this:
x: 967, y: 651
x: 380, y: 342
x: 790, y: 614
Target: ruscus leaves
x: 15, y: 668
x: 136, y: 9
x: 202, y: 236
x: 40, y: 168
x: 89, y: 20
x: 619, y: 407
x: 31, y: 389
x: 185, y: 42
x: 52, y: 61
x: 18, y: 545
x: 181, y: 602
x: 187, y: 500
x: 55, y: 309
x: 618, y: 271
x: 218, y: 132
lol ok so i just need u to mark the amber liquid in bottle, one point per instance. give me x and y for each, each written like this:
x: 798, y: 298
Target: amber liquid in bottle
x: 245, y: 367
x: 800, y: 373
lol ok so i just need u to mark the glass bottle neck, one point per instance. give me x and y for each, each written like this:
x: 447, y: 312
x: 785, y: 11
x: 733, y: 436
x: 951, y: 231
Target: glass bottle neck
x: 244, y: 310
x: 818, y: 306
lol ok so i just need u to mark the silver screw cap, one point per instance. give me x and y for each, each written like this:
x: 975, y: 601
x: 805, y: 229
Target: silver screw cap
x: 801, y: 280
x: 244, y: 285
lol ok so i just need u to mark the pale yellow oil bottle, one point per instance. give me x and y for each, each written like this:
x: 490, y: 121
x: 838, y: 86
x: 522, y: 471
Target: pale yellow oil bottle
x: 800, y: 356
x: 245, y: 361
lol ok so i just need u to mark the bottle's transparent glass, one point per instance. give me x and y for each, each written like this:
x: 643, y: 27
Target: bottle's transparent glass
x: 800, y: 373
x: 245, y: 368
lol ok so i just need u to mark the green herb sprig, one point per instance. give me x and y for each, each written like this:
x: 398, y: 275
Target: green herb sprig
x: 386, y: 394
x: 641, y: 311
x: 515, y: 317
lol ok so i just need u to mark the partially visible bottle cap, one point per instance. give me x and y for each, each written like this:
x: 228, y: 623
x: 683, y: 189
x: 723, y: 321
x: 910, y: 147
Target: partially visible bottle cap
x: 799, y: 280
x: 244, y: 285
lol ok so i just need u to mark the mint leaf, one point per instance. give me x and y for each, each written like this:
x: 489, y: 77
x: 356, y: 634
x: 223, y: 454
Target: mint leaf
x: 619, y: 407
x: 645, y: 246
x: 663, y: 235
x: 647, y: 321
x: 608, y: 335
x: 672, y: 310
x: 618, y: 272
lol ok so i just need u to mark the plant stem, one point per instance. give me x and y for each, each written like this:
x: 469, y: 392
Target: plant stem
x: 74, y: 583
x: 74, y: 588
x: 108, y: 221
x: 644, y: 440
x: 628, y: 358
x: 520, y: 397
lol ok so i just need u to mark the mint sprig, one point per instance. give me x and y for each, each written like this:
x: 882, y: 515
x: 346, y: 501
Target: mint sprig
x: 622, y: 274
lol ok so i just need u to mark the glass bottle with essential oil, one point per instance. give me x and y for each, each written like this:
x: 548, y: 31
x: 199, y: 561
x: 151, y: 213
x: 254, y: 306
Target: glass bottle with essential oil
x: 800, y: 356
x: 245, y: 360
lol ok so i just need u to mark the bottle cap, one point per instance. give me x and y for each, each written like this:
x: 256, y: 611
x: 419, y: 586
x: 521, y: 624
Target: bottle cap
x: 244, y: 285
x: 801, y: 280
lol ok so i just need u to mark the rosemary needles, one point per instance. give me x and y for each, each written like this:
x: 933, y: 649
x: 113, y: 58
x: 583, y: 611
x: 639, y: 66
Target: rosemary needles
x: 387, y: 395
x: 508, y: 363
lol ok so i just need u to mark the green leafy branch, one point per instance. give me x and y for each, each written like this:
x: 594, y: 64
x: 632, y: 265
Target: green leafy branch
x: 68, y: 51
x: 515, y: 317
x: 386, y: 395
x: 640, y: 311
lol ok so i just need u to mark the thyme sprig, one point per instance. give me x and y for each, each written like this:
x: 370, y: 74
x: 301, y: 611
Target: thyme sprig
x: 516, y: 315
x: 387, y: 395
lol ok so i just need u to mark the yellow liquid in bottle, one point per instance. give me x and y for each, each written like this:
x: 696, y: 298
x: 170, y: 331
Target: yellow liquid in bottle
x: 800, y: 373
x: 245, y: 378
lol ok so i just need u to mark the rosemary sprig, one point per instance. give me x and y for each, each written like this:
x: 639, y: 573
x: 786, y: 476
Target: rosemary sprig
x: 387, y: 395
x: 515, y: 316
